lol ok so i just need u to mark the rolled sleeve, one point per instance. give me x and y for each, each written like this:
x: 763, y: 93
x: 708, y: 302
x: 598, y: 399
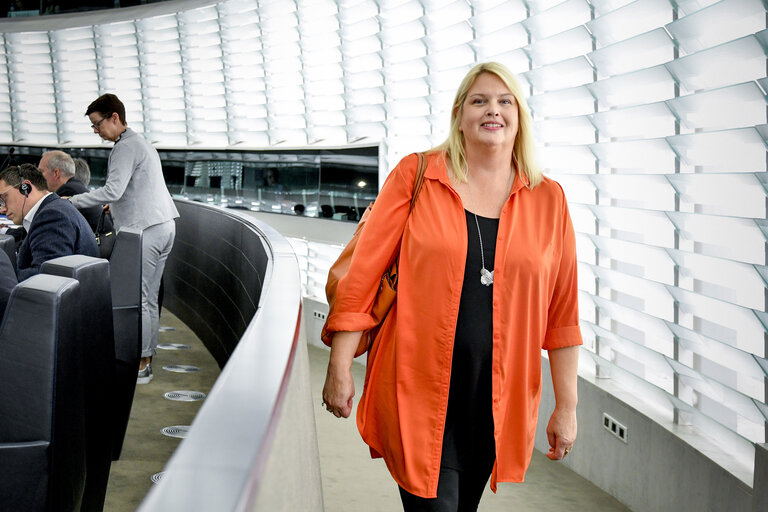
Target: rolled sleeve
x: 350, y: 322
x: 562, y: 337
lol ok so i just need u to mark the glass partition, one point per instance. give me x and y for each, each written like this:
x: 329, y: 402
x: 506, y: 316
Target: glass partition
x: 329, y: 183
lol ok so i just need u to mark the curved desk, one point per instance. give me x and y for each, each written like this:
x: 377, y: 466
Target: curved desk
x: 235, y: 281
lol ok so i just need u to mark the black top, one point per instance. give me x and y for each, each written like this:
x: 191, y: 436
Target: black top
x: 468, y: 441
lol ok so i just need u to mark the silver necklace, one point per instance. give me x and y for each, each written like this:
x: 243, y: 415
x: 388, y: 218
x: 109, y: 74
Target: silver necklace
x: 486, y: 276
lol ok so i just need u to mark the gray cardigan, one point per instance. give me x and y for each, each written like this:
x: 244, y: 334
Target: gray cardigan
x: 135, y: 188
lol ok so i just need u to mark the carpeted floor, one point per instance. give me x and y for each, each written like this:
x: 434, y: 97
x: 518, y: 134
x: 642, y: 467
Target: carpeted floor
x: 146, y: 449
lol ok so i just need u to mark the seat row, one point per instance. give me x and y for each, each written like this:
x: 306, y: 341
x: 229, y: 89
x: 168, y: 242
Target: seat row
x: 70, y: 344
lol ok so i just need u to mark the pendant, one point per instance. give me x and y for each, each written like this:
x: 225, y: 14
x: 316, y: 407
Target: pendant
x: 486, y: 277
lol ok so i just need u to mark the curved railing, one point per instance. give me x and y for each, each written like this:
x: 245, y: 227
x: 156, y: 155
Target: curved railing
x: 235, y: 282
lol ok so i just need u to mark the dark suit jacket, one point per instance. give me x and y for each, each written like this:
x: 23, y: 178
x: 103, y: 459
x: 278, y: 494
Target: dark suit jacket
x: 57, y: 230
x: 7, y: 281
x: 75, y: 186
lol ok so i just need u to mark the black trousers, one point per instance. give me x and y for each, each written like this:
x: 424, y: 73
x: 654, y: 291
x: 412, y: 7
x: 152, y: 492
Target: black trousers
x: 457, y: 491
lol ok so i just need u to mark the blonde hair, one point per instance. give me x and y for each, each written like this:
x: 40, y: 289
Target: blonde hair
x: 524, y: 150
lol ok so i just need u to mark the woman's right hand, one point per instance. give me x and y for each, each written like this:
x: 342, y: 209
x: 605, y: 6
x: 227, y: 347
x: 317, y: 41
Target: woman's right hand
x: 339, y: 389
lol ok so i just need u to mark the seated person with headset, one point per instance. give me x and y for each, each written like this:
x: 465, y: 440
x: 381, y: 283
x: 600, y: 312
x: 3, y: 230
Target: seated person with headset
x: 60, y: 173
x: 54, y: 226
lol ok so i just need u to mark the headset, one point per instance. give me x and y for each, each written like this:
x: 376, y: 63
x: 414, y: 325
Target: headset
x: 25, y: 188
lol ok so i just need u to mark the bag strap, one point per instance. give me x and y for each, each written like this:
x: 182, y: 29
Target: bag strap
x: 100, y: 223
x: 419, y: 180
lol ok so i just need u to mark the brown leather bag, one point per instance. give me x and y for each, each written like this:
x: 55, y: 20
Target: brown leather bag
x: 385, y: 297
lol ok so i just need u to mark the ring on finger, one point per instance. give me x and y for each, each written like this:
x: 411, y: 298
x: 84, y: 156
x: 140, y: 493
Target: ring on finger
x: 567, y: 451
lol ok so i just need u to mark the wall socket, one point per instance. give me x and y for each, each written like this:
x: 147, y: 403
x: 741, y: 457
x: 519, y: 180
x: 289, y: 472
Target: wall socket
x: 614, y: 427
x: 318, y: 315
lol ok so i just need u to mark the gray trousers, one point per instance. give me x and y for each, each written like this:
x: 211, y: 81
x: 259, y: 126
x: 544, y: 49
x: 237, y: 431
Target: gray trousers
x: 157, y: 242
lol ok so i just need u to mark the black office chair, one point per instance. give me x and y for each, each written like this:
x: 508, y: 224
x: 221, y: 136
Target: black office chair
x: 345, y: 211
x: 8, y: 245
x: 97, y: 340
x: 125, y: 270
x: 42, y: 430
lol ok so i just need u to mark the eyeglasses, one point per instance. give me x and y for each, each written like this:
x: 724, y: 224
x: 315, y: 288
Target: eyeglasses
x: 96, y: 125
x: 2, y: 196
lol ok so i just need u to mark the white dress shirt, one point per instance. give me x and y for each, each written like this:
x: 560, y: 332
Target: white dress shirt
x: 31, y: 213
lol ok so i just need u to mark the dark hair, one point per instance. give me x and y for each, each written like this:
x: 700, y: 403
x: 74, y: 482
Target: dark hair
x: 16, y: 175
x: 107, y: 104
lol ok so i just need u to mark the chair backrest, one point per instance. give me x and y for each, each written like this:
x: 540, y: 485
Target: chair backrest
x: 8, y: 245
x: 97, y: 340
x: 93, y: 274
x: 125, y: 270
x: 42, y: 432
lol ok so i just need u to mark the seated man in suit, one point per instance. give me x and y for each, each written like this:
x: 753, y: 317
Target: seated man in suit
x: 58, y: 169
x: 54, y: 227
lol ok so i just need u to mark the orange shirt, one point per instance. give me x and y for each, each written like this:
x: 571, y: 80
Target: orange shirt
x: 401, y: 414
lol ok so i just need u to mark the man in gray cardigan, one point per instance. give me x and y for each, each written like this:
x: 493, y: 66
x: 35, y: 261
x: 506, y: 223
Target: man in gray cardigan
x: 138, y: 198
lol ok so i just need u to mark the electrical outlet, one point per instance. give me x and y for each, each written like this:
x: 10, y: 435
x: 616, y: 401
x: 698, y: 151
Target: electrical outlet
x: 614, y: 427
x: 319, y: 315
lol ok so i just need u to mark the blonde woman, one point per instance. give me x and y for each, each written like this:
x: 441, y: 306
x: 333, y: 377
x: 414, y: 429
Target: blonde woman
x: 487, y: 278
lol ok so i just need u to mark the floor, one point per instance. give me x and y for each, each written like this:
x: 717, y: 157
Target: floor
x: 146, y: 449
x: 352, y: 481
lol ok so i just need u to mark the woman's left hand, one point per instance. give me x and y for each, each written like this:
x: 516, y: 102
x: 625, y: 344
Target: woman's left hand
x: 561, y: 432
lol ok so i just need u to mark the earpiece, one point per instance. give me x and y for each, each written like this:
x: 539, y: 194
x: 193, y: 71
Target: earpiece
x: 25, y: 189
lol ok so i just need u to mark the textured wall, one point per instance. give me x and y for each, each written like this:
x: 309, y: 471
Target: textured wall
x: 214, y: 276
x: 656, y: 470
